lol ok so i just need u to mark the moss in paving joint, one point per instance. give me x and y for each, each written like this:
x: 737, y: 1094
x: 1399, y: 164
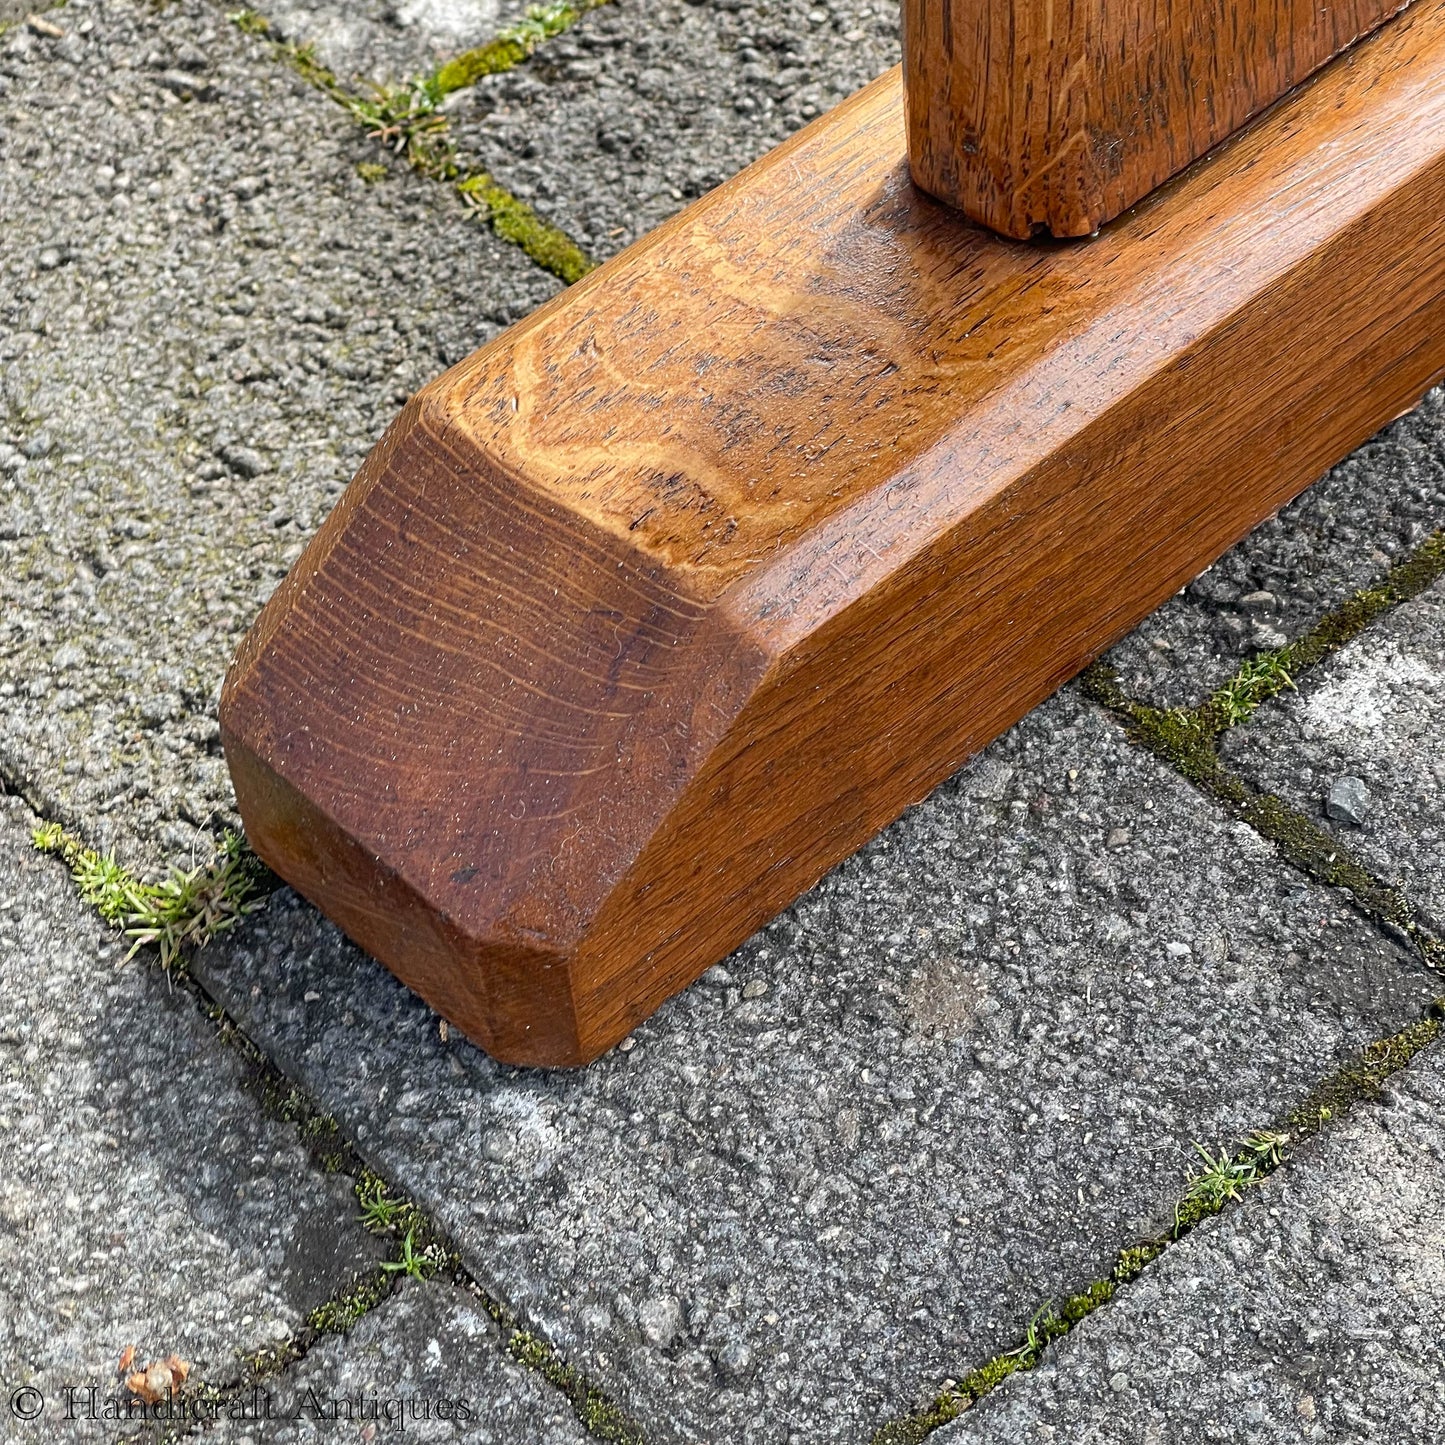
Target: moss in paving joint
x: 1187, y: 739
x: 512, y: 46
x: 407, y: 121
x: 515, y: 221
x: 601, y: 1418
x: 1223, y: 1181
x: 337, y: 1315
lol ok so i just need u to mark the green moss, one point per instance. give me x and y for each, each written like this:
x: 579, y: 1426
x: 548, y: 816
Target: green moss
x: 601, y: 1418
x: 1133, y: 1259
x: 1362, y: 1078
x: 1077, y: 1306
x: 338, y: 1314
x: 512, y: 46
x: 372, y: 172
x: 250, y: 22
x: 515, y: 221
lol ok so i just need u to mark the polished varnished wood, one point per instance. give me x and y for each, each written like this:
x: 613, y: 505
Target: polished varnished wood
x: 656, y: 607
x: 1031, y: 114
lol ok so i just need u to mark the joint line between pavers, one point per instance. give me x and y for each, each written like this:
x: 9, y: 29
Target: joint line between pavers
x: 195, y: 907
x: 1222, y: 1184
x: 1188, y: 740
x: 406, y: 119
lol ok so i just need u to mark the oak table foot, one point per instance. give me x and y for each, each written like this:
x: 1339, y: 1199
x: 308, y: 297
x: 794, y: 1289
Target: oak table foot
x: 644, y: 616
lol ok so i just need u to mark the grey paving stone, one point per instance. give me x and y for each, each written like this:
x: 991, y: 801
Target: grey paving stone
x: 386, y: 41
x: 948, y: 1084
x: 1375, y: 713
x: 1343, y: 534
x: 1310, y: 1313
x: 206, y: 318
x: 145, y: 1199
x: 645, y: 104
x: 425, y: 1365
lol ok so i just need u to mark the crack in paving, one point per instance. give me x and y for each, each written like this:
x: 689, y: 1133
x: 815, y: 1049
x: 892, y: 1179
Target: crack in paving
x: 408, y: 122
x: 421, y: 1249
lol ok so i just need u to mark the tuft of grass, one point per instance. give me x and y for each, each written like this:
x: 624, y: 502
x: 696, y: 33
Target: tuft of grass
x: 1225, y: 1177
x: 185, y: 910
x: 1256, y: 682
x: 1270, y: 673
x: 418, y: 1263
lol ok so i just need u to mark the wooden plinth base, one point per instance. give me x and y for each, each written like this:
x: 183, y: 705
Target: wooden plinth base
x: 648, y: 613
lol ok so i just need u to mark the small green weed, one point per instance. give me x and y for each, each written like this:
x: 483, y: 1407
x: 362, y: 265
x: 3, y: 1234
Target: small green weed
x: 417, y: 1263
x: 1225, y: 1177
x: 379, y: 1210
x: 1258, y: 680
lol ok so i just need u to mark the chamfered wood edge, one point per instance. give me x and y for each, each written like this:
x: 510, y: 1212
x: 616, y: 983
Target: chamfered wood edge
x: 694, y: 888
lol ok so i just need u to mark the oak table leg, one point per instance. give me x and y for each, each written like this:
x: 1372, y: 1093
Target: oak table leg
x: 645, y: 615
x: 1060, y: 114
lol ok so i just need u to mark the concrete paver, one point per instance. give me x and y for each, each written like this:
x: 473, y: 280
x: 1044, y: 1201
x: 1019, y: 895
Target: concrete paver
x: 950, y: 1082
x: 427, y: 1364
x: 1372, y: 718
x: 145, y: 1199
x: 1310, y: 1313
x: 206, y: 319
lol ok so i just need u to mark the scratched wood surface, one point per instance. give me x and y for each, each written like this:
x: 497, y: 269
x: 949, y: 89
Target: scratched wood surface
x: 1062, y: 113
x: 649, y: 612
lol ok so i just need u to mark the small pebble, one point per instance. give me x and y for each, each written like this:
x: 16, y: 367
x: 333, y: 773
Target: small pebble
x: 1348, y: 800
x: 1259, y: 602
x: 755, y: 988
x: 246, y: 461
x: 660, y: 1320
x: 734, y: 1359
x: 1119, y: 1383
x: 497, y: 1146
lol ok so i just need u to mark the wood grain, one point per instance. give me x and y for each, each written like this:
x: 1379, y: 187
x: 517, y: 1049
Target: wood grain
x: 1061, y: 114
x: 653, y: 609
